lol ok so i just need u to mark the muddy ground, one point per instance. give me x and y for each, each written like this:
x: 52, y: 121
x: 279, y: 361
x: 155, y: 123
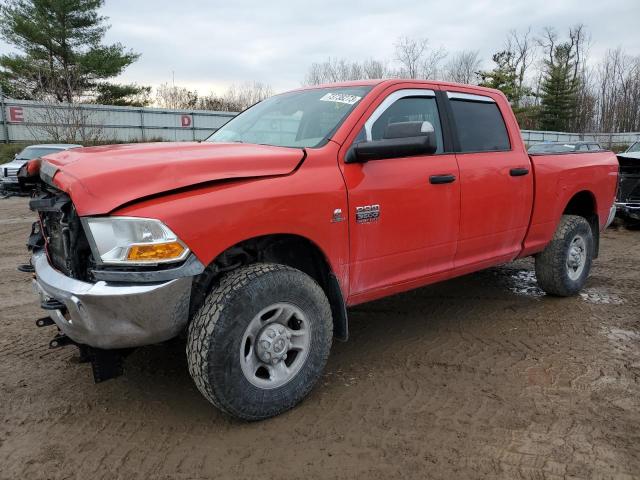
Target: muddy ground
x: 479, y: 377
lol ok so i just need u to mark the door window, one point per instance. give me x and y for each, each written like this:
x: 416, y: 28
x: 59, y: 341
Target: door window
x: 404, y: 109
x: 479, y: 124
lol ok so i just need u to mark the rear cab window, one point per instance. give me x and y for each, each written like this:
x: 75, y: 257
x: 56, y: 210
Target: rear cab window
x: 479, y: 124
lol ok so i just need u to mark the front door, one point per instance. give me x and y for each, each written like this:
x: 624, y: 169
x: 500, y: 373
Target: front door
x: 404, y: 212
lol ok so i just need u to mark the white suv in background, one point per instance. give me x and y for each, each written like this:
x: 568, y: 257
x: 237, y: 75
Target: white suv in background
x: 9, y: 171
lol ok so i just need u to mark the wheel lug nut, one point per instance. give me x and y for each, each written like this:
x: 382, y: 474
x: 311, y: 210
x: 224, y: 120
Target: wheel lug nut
x: 271, y: 334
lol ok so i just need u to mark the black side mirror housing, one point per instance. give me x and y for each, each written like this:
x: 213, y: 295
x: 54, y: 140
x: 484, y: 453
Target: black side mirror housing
x: 402, y: 139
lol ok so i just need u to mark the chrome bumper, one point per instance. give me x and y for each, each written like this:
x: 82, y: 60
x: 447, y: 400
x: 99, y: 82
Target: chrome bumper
x: 107, y: 315
x: 630, y: 209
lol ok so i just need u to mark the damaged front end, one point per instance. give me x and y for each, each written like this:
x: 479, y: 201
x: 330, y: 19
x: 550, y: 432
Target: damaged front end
x: 628, y: 199
x: 104, y: 312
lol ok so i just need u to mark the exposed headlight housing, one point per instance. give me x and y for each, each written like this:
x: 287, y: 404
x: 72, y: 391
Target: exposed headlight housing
x: 133, y: 241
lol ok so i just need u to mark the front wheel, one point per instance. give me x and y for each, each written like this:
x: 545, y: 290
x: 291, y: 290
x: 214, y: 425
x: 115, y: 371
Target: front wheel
x: 260, y: 341
x: 564, y: 265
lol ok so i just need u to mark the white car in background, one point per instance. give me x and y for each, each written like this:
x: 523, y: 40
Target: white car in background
x: 9, y: 171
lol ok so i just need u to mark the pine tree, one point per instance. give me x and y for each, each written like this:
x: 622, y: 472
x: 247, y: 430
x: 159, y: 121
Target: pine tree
x: 559, y: 90
x: 61, y: 54
x: 503, y: 77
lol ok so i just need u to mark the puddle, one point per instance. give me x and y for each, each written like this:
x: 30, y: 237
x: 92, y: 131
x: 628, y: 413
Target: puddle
x: 601, y: 297
x: 621, y: 335
x: 523, y: 282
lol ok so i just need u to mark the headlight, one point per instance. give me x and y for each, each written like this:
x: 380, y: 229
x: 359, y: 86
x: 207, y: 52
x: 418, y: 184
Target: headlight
x: 133, y: 241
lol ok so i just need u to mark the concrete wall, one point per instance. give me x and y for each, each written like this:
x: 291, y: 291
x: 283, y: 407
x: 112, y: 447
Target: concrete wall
x: 27, y: 121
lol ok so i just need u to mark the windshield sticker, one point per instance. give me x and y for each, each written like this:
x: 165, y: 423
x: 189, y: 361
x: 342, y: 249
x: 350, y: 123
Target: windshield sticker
x: 340, y: 98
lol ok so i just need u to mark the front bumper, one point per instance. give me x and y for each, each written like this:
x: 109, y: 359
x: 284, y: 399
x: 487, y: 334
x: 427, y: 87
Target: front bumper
x: 9, y: 185
x: 631, y: 210
x: 111, y: 315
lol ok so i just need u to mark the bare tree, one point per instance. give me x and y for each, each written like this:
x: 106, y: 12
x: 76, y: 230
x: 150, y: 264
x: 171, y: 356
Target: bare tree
x: 618, y: 86
x: 64, y: 123
x: 236, y: 98
x: 342, y: 70
x: 416, y: 59
x: 241, y: 97
x: 175, y: 97
x: 463, y: 67
x: 409, y: 54
x: 523, y: 49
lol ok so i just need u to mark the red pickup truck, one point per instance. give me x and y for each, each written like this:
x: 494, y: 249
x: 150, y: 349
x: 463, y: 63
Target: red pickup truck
x: 254, y: 242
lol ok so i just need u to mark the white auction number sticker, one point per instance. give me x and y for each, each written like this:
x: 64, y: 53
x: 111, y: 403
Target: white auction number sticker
x: 340, y: 98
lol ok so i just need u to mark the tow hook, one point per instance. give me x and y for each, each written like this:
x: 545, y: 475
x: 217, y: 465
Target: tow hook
x: 61, y: 340
x: 44, y: 322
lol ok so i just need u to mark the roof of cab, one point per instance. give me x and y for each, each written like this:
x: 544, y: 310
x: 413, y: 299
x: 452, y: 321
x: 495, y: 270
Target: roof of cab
x: 394, y: 81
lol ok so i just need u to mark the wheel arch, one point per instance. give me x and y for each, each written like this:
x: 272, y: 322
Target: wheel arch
x: 584, y: 204
x: 292, y: 250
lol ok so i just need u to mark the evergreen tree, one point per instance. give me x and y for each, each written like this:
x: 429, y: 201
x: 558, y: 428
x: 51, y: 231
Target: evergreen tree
x: 61, y: 54
x: 505, y: 77
x: 559, y: 90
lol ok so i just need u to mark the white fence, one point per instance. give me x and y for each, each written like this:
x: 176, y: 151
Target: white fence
x: 606, y: 140
x: 27, y: 121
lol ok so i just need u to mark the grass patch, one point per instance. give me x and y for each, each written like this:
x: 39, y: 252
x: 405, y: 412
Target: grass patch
x: 9, y: 150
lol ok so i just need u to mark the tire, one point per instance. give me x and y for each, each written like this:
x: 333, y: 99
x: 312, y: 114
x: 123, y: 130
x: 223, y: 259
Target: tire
x: 243, y: 321
x: 563, y: 267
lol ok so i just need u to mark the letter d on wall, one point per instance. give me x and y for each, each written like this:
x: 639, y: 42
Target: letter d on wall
x: 185, y: 120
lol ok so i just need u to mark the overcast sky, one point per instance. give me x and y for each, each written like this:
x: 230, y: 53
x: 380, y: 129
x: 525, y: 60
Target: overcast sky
x: 212, y: 44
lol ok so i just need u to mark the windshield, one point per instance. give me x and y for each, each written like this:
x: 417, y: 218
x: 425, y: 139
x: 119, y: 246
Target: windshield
x: 304, y: 118
x: 634, y: 148
x: 30, y: 153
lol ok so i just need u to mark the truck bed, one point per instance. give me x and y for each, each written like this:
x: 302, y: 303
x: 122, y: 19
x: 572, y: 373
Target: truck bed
x: 558, y: 178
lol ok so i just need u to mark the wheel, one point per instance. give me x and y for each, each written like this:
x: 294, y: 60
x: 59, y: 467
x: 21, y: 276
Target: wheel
x: 260, y: 341
x: 563, y: 267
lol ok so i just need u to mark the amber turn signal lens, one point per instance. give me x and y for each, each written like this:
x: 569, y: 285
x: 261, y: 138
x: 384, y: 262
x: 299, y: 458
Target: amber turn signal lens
x: 155, y: 251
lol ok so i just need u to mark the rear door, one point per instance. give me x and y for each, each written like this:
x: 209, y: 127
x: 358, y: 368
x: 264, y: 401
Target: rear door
x: 496, y: 180
x: 404, y: 212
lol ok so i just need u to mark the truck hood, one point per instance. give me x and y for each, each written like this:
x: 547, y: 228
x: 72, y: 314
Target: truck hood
x: 100, y: 179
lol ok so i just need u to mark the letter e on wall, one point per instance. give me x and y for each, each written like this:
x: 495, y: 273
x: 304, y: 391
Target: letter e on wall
x: 16, y: 114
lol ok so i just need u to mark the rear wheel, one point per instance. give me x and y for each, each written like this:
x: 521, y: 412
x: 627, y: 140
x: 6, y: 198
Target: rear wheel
x: 260, y: 341
x: 564, y: 265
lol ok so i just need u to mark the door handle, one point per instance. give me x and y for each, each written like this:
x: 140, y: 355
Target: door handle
x: 440, y: 179
x: 518, y: 172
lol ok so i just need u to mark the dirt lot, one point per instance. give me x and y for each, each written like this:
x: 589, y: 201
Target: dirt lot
x: 479, y: 377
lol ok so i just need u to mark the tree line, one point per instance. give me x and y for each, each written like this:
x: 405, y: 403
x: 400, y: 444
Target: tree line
x: 548, y: 77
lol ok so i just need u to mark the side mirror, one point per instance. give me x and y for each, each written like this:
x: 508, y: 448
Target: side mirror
x: 402, y: 139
